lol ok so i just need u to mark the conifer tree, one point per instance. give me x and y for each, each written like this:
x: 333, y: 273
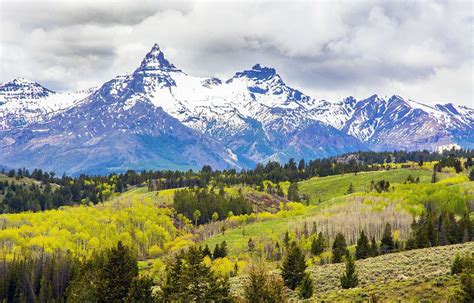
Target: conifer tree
x: 306, y: 290
x: 465, y: 228
x: 456, y: 266
x: 349, y: 278
x: 173, y: 288
x: 339, y: 248
x: 350, y: 190
x: 220, y: 250
x: 264, y: 287
x: 387, y: 244
x: 374, y: 250
x: 318, y: 244
x: 200, y: 283
x: 286, y: 239
x: 294, y: 266
x: 363, y: 247
x: 117, y: 274
x: 293, y: 192
x: 255, y: 290
x: 206, y: 251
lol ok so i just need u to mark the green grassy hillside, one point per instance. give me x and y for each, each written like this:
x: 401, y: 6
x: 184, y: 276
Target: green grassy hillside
x: 349, y: 213
x: 325, y: 188
x: 410, y: 276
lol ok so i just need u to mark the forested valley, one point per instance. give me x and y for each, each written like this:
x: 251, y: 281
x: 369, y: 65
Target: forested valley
x: 359, y: 227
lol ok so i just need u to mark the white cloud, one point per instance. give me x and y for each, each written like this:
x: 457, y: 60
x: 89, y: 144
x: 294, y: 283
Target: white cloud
x: 420, y: 50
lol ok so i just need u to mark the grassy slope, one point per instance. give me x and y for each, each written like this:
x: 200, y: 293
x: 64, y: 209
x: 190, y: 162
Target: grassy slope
x: 271, y: 229
x: 25, y: 180
x: 142, y: 194
x: 326, y: 188
x: 409, y: 276
x: 332, y: 187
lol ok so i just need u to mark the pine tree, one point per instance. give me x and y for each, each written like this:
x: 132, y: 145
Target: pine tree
x: 220, y: 250
x: 339, y: 248
x: 465, y: 228
x: 173, y: 288
x: 117, y: 274
x: 255, y: 290
x: 350, y: 190
x: 318, y: 244
x: 293, y: 192
x: 387, y: 244
x: 349, y: 278
x: 293, y: 266
x: 217, y: 252
x: 263, y: 287
x: 467, y: 287
x: 430, y: 228
x: 301, y: 165
x: 200, y: 283
x: 374, y: 250
x: 363, y: 247
x: 277, y: 256
x: 306, y: 290
x: 457, y: 265
x: 206, y: 251
x: 286, y: 239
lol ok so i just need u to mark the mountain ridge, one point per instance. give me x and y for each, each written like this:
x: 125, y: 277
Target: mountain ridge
x: 251, y: 117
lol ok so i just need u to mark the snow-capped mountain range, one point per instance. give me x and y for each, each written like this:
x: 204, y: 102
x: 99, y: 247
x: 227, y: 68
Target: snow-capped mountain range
x: 160, y: 117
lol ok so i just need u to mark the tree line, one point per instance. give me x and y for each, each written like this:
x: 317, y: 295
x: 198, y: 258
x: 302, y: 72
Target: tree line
x: 111, y: 276
x: 203, y: 205
x: 85, y: 189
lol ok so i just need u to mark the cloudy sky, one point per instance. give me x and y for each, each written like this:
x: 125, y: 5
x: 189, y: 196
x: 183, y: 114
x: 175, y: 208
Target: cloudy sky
x: 420, y: 50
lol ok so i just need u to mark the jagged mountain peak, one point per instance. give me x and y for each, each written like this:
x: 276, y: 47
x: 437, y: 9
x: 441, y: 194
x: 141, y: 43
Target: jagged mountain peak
x: 375, y: 98
x: 253, y: 116
x: 258, y: 73
x: 155, y: 61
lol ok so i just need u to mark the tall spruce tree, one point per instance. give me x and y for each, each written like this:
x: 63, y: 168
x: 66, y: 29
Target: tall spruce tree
x: 294, y: 266
x: 363, y: 247
x: 350, y: 190
x: 349, y: 278
x: 339, y: 248
x: 305, y: 291
x: 264, y: 287
x: 189, y: 279
x: 293, y: 192
x: 387, y: 245
x: 318, y: 244
x: 117, y: 274
x: 200, y: 283
x: 374, y: 250
x: 173, y: 287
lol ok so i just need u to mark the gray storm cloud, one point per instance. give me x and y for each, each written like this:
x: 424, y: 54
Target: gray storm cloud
x: 420, y: 50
